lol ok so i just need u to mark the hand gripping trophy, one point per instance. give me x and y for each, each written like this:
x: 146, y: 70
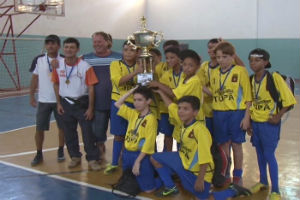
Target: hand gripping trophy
x: 145, y: 40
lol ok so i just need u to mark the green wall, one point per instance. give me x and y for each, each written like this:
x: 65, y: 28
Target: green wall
x: 285, y: 55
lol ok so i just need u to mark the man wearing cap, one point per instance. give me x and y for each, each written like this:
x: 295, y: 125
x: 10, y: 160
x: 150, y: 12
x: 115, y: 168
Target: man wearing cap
x: 41, y: 78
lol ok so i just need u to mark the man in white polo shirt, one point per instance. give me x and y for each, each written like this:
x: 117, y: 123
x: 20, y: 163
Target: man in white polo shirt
x: 74, y: 81
x: 41, y: 78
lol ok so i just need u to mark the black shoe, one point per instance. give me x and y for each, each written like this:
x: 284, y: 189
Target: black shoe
x: 240, y: 191
x: 37, y: 160
x: 60, y: 155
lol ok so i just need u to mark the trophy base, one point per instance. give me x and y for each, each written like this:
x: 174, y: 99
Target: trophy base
x: 144, y: 78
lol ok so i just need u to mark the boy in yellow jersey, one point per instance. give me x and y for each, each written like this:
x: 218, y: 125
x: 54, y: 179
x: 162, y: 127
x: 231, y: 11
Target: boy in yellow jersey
x: 170, y: 78
x: 190, y: 85
x: 163, y: 66
x: 231, y: 94
x: 266, y: 119
x: 140, y: 137
x: 204, y: 74
x: 123, y: 76
x: 193, y: 162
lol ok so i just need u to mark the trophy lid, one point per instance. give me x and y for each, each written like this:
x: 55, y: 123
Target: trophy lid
x: 143, y: 27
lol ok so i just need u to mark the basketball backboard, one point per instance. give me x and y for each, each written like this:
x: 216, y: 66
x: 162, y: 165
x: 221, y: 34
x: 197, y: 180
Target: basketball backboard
x: 43, y: 7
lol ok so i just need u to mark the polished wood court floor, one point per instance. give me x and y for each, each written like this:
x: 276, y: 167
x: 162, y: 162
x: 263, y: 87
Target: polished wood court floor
x: 17, y: 147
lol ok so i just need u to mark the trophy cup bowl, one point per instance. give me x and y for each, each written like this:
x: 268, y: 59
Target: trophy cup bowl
x: 145, y: 40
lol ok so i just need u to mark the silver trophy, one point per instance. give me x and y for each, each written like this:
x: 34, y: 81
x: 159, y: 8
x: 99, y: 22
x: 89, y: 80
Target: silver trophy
x: 145, y: 40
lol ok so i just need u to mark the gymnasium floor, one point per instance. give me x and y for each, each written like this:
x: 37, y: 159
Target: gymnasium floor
x: 52, y: 180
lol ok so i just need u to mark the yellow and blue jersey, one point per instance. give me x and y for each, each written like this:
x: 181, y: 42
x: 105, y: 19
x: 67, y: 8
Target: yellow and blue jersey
x: 119, y: 69
x: 141, y: 131
x: 192, y: 87
x: 195, y: 142
x: 263, y: 104
x: 160, y: 69
x: 170, y: 79
x: 204, y: 74
x: 231, y: 89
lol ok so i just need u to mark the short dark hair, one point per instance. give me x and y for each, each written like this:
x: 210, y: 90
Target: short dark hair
x: 192, y: 100
x: 226, y: 48
x: 188, y: 53
x: 144, y: 91
x: 213, y: 41
x: 72, y: 40
x: 173, y: 50
x: 174, y: 43
x: 261, y: 53
x: 155, y: 51
x: 52, y: 38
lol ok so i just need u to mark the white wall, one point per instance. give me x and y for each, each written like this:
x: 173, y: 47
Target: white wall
x: 179, y: 19
x: 278, y: 19
x: 84, y: 17
x: 231, y: 19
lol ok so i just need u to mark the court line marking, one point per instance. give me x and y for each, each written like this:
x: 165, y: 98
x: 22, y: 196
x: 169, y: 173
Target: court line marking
x: 68, y: 180
x: 33, y: 152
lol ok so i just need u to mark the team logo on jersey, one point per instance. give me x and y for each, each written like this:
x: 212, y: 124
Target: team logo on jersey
x: 234, y: 78
x: 144, y: 123
x: 191, y: 134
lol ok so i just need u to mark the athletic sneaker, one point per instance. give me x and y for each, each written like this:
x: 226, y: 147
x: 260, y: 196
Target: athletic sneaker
x: 110, y: 169
x: 258, y: 187
x: 75, y: 161
x: 37, y: 159
x: 240, y: 191
x: 93, y: 164
x: 60, y: 155
x: 169, y: 191
x: 275, y: 196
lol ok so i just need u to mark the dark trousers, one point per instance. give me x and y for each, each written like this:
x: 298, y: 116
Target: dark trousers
x: 74, y: 114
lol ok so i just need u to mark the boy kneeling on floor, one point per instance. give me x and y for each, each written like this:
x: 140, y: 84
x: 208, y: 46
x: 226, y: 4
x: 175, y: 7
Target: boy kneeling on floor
x: 140, y: 137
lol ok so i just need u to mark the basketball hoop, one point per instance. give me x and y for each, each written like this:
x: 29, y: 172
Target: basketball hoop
x: 43, y: 7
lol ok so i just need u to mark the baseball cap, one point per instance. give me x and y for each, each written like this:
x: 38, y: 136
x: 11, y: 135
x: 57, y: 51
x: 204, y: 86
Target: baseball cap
x: 52, y: 38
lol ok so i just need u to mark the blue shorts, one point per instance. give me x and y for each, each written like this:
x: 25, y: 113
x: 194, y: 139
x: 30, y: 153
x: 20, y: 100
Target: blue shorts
x: 146, y: 178
x: 209, y: 125
x: 164, y: 125
x: 100, y: 124
x: 172, y: 161
x: 118, y: 125
x: 265, y: 134
x: 227, y: 126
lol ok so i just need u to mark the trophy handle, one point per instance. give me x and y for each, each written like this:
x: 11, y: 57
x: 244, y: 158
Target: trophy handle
x: 156, y: 44
x: 129, y: 38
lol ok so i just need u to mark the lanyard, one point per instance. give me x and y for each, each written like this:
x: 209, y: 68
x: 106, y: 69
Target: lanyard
x: 210, y: 67
x: 184, y: 129
x: 174, y: 75
x: 228, y: 72
x: 128, y: 67
x: 257, y: 91
x: 138, y: 123
x: 68, y: 76
x: 49, y: 65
